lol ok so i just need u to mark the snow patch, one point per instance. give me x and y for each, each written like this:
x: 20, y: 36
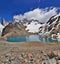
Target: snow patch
x: 33, y: 27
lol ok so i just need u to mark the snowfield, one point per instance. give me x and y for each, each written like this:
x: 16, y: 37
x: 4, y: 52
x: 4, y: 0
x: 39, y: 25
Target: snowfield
x: 33, y: 27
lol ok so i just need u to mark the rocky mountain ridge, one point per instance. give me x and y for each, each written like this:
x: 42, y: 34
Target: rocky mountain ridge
x: 25, y: 27
x: 52, y: 27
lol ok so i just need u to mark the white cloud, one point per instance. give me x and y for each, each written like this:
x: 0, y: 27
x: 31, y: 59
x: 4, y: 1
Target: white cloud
x: 43, y: 15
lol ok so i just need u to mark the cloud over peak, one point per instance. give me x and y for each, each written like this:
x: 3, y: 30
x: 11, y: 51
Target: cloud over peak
x: 43, y: 15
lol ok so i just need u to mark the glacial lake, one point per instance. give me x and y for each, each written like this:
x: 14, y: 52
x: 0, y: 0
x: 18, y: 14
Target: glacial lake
x: 31, y: 38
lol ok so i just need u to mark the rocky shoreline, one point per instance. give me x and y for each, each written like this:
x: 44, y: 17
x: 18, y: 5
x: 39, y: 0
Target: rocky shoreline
x: 29, y: 53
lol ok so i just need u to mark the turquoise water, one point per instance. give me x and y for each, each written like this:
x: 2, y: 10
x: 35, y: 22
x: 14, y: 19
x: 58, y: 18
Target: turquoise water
x: 31, y: 38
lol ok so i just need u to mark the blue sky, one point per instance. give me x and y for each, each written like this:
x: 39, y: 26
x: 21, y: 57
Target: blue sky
x: 9, y: 8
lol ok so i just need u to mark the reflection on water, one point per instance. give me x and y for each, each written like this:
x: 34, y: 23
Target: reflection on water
x: 31, y: 38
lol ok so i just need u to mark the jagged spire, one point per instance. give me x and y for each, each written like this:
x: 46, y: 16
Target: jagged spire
x: 4, y: 23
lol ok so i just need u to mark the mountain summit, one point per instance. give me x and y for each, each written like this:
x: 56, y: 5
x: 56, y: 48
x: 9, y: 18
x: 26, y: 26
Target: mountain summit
x: 50, y: 28
x: 4, y: 22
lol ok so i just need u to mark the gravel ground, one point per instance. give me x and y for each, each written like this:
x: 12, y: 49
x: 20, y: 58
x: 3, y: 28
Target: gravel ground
x: 29, y: 53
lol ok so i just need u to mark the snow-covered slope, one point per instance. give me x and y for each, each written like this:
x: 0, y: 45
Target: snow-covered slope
x: 33, y: 27
x: 1, y: 28
x: 2, y: 25
x: 52, y: 27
